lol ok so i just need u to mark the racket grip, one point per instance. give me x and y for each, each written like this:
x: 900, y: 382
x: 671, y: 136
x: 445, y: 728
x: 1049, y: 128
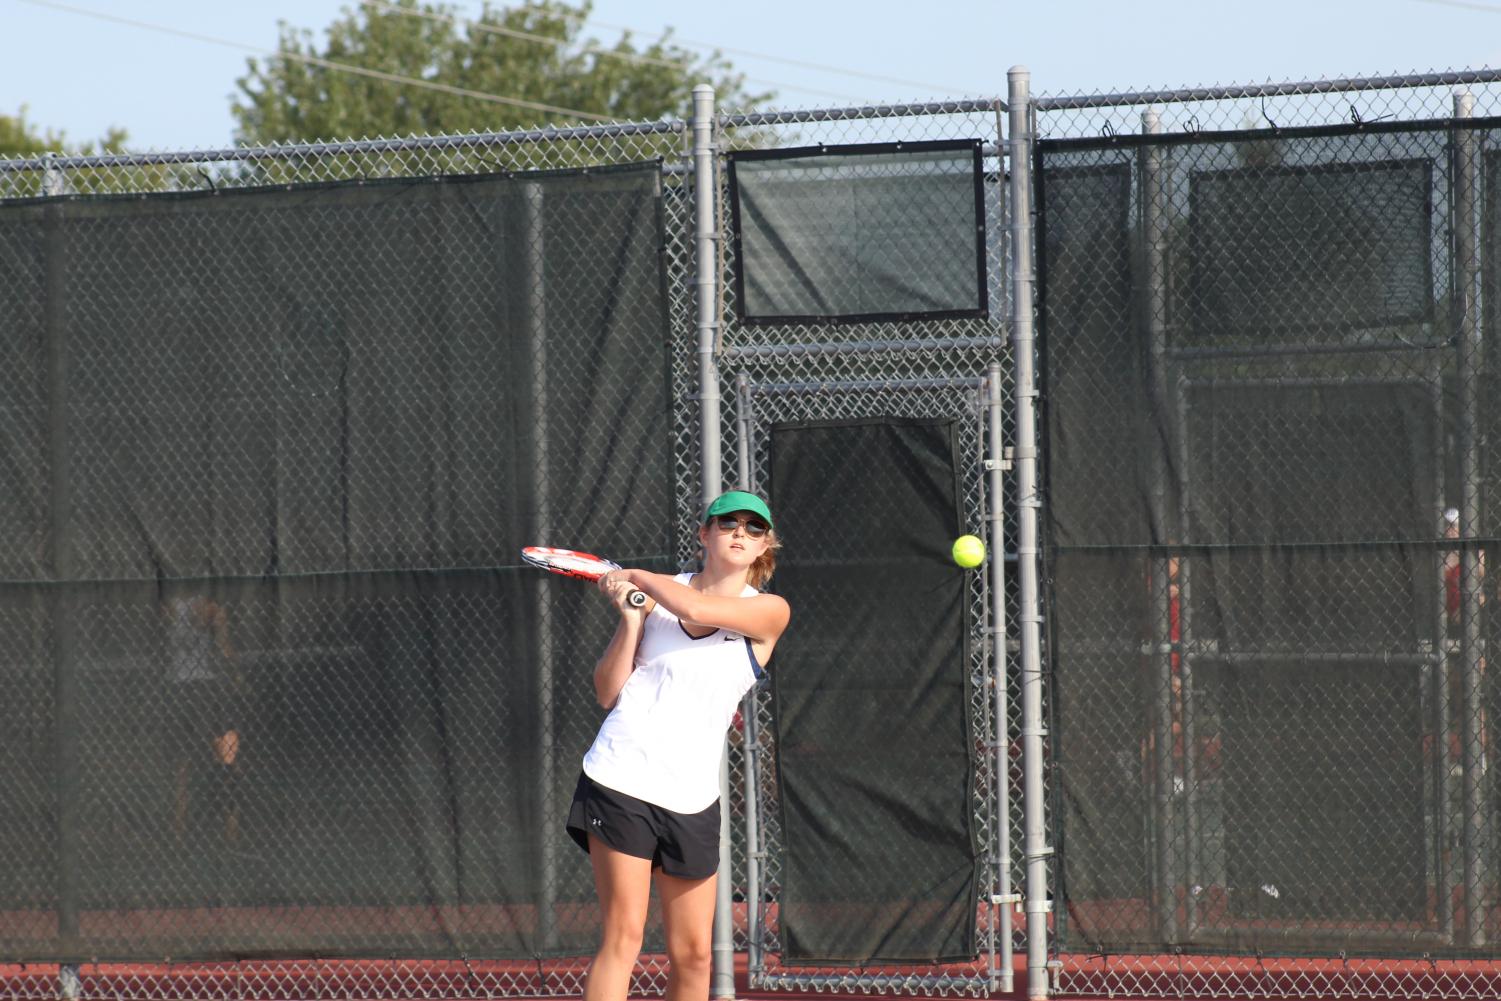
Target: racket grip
x: 636, y: 599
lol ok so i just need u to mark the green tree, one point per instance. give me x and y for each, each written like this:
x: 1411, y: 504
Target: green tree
x: 297, y: 96
x: 19, y: 138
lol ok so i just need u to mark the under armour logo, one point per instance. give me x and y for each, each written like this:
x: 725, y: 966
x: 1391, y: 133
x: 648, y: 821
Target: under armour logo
x: 597, y: 822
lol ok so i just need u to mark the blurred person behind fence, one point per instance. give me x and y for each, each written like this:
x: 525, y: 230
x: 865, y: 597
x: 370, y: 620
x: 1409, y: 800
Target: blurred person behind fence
x: 205, y: 692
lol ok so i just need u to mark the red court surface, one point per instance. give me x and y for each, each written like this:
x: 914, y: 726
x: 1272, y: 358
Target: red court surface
x: 365, y: 980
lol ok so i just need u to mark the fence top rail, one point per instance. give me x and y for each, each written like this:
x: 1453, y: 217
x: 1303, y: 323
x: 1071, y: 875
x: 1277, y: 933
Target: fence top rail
x: 1041, y: 103
x: 293, y: 151
x: 953, y: 107
x: 1185, y: 95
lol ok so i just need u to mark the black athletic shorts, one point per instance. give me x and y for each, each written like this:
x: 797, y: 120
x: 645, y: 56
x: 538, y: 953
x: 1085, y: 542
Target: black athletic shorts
x: 685, y: 845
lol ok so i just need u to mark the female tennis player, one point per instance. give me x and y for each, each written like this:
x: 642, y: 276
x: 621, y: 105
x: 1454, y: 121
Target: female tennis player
x: 647, y: 803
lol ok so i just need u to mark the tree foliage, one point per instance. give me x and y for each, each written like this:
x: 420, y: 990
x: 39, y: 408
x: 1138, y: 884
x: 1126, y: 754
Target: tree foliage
x: 19, y: 138
x: 290, y: 97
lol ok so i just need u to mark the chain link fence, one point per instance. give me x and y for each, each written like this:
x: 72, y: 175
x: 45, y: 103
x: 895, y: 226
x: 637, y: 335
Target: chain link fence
x: 1266, y: 326
x: 226, y: 598
x: 270, y: 654
x: 1264, y: 374
x: 924, y: 368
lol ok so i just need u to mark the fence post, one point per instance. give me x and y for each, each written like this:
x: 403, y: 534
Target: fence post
x: 706, y: 295
x: 63, y: 605
x: 1154, y: 271
x: 1467, y: 282
x: 1029, y: 619
x: 995, y: 465
x: 539, y: 526
x: 751, y: 733
x: 54, y: 181
x: 706, y: 287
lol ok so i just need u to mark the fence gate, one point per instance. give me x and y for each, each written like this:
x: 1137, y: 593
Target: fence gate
x: 860, y: 359
x: 874, y: 774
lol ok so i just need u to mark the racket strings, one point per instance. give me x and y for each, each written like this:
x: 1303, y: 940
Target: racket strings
x: 594, y: 567
x: 569, y: 563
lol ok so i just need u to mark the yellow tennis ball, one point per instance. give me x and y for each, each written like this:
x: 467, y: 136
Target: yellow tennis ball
x: 968, y: 551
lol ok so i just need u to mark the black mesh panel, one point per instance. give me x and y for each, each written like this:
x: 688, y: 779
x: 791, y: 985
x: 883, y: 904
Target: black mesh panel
x: 873, y: 748
x: 276, y: 684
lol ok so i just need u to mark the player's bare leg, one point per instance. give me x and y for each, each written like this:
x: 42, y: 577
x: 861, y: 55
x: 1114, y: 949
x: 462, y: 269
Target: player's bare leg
x: 688, y: 921
x: 623, y: 883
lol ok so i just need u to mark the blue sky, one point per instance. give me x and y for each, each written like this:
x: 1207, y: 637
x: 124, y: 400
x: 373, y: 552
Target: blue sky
x: 82, y: 74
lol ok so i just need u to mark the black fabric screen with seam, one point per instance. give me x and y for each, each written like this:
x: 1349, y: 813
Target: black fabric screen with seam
x: 274, y: 454
x: 1253, y: 419
x: 874, y: 755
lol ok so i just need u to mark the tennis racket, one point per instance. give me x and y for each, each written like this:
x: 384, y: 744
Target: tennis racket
x: 570, y: 563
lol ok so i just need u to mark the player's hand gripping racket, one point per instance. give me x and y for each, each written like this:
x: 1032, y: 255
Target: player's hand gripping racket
x: 584, y: 566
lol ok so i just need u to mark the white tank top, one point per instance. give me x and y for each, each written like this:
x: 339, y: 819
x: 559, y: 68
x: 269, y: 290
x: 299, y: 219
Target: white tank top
x: 663, y: 741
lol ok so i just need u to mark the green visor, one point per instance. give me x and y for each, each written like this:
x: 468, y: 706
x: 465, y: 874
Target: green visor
x: 739, y: 500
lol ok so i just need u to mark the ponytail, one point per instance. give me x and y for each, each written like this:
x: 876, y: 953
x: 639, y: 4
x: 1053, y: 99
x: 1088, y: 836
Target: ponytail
x: 760, y: 571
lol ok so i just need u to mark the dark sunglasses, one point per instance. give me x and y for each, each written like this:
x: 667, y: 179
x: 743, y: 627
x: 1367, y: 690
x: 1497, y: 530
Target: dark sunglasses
x: 755, y: 529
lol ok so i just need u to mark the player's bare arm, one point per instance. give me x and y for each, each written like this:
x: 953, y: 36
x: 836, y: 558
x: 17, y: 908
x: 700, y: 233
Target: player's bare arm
x: 763, y: 617
x: 615, y: 665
